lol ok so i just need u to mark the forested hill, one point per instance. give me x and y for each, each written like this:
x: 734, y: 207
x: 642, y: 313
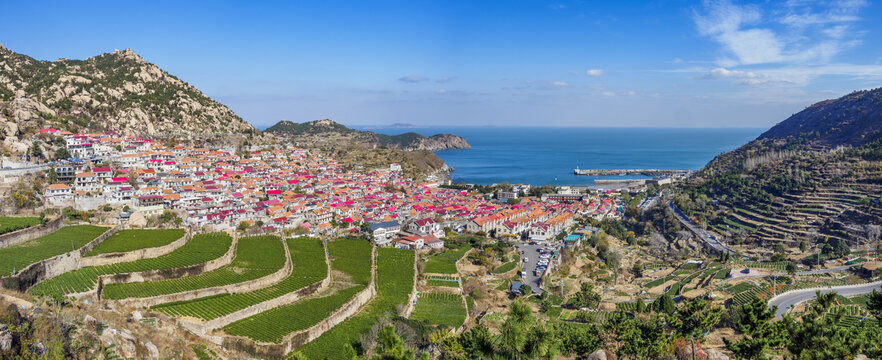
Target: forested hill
x: 852, y: 120
x: 816, y: 175
x: 117, y: 91
x: 327, y: 130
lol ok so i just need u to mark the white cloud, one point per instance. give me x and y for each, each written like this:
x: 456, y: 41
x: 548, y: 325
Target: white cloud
x: 795, y: 33
x: 595, y: 72
x: 445, y: 79
x: 559, y: 83
x: 413, y: 79
x: 608, y: 93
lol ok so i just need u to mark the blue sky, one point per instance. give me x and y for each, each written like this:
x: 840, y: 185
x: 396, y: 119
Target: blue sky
x: 561, y: 63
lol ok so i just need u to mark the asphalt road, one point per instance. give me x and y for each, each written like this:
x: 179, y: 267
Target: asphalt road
x: 709, y: 239
x: 785, y: 301
x: 529, y: 252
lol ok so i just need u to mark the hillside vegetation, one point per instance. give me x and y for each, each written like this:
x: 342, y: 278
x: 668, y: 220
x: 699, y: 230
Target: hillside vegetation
x: 814, y: 177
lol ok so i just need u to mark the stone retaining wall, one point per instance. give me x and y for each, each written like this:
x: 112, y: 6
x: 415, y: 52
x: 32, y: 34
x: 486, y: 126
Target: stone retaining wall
x: 296, y: 340
x: 241, y: 287
x: 54, y: 266
x: 203, y: 327
x: 166, y: 274
x: 135, y: 255
x: 31, y: 233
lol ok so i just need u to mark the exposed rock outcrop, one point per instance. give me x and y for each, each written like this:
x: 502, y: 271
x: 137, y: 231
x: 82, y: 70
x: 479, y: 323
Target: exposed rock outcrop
x: 118, y: 92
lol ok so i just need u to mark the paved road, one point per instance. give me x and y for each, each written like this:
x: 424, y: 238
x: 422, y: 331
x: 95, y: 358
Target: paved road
x: 529, y: 252
x: 789, y: 299
x: 703, y: 235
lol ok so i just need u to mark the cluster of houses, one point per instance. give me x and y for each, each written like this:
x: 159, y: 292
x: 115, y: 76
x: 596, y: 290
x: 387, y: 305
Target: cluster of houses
x: 294, y: 189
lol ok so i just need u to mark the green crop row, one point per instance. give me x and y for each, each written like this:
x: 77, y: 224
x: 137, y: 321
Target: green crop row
x: 256, y: 257
x: 9, y: 224
x: 394, y: 284
x: 66, y: 239
x: 201, y: 248
x: 445, y: 263
x: 352, y: 257
x: 308, y: 267
x: 509, y: 266
x: 440, y: 309
x: 130, y: 240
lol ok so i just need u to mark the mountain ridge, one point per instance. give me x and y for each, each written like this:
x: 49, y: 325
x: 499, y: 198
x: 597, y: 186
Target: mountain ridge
x: 407, y: 141
x: 118, y: 91
x: 814, y: 177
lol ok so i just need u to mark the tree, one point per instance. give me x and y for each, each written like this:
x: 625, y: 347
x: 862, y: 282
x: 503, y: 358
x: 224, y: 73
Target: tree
x: 665, y: 304
x: 636, y: 338
x: 392, y: 346
x: 243, y: 225
x: 760, y: 333
x: 36, y: 150
x: 695, y: 318
x: 641, y: 306
x: 637, y: 270
x: 477, y: 341
x: 62, y: 153
x: 578, y: 340
x: 513, y: 336
x: 53, y: 176
x: 526, y: 289
x: 875, y: 305
x: 585, y: 298
x: 790, y: 268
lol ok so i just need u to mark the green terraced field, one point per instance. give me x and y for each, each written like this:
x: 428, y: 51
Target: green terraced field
x: 440, y: 309
x: 351, y: 257
x: 394, y: 283
x: 445, y: 263
x: 64, y: 240
x: 130, y: 240
x: 308, y: 260
x: 256, y: 257
x: 201, y: 248
x: 9, y: 224
x: 509, y: 266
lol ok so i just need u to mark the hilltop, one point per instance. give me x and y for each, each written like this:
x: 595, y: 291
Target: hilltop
x: 371, y: 150
x: 327, y: 128
x: 118, y: 91
x: 814, y: 177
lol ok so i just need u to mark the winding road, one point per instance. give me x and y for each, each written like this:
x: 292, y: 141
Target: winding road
x: 709, y: 239
x: 789, y: 299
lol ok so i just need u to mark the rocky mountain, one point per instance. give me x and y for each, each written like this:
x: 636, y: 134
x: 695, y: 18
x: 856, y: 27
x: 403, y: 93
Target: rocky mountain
x: 814, y: 177
x: 117, y: 91
x: 330, y: 131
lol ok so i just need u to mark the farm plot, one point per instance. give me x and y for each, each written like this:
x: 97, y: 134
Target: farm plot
x: 130, y: 240
x: 308, y: 262
x: 509, y: 266
x: 353, y: 257
x: 440, y: 280
x: 201, y: 248
x: 445, y: 263
x: 66, y: 239
x: 9, y: 224
x: 256, y: 257
x: 440, y: 309
x: 394, y: 283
